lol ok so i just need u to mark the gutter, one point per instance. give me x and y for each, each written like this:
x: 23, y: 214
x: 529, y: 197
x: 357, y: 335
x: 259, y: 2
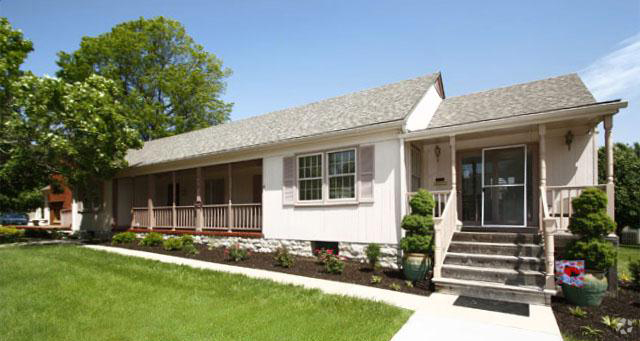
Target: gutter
x: 591, y: 110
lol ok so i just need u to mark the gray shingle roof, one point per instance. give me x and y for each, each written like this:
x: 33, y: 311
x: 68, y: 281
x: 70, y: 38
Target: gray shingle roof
x: 538, y: 96
x: 387, y: 103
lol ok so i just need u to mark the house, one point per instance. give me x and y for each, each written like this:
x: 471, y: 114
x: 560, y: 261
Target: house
x: 56, y: 210
x: 502, y: 164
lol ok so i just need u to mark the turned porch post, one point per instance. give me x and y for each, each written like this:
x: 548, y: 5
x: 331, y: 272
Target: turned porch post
x: 174, y: 217
x: 151, y: 189
x: 608, y: 141
x: 547, y: 224
x: 229, y: 208
x: 199, y: 212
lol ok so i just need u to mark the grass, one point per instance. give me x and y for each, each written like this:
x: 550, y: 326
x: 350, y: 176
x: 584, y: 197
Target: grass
x: 72, y: 293
x: 626, y: 253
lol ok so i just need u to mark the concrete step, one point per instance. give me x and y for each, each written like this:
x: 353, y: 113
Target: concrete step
x: 504, y: 249
x: 503, y: 276
x: 495, y: 291
x: 491, y: 237
x: 495, y: 261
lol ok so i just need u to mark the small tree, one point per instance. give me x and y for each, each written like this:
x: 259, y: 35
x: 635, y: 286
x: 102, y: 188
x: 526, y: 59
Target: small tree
x: 419, y: 224
x: 592, y: 224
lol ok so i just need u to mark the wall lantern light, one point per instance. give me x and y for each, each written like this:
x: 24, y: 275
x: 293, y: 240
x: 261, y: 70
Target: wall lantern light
x: 568, y: 139
x: 437, y: 152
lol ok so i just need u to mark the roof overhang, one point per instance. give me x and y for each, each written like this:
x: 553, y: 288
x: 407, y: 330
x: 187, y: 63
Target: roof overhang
x: 595, y: 110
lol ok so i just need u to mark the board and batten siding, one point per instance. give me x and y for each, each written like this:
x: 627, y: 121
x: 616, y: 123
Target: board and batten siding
x: 372, y: 221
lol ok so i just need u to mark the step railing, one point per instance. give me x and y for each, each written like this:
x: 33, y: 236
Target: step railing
x: 444, y: 227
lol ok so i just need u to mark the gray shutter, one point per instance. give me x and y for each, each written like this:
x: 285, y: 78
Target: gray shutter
x: 288, y: 180
x: 366, y: 167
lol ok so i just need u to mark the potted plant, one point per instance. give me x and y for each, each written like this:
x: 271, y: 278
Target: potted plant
x: 417, y: 242
x: 591, y: 223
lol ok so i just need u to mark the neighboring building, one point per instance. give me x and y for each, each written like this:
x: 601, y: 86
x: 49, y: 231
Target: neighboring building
x: 342, y: 170
x: 56, y: 210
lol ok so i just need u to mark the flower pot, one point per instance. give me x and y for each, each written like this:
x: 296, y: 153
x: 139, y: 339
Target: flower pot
x: 415, y: 266
x: 591, y: 294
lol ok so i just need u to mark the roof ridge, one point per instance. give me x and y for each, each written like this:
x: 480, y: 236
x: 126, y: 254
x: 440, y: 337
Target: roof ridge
x: 363, y: 91
x: 515, y: 85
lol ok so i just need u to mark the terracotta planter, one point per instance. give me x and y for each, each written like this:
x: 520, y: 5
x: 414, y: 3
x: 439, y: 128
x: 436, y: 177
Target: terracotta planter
x: 415, y: 266
x: 591, y: 294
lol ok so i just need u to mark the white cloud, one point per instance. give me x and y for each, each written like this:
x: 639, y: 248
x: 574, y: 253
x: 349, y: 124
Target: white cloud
x: 617, y: 74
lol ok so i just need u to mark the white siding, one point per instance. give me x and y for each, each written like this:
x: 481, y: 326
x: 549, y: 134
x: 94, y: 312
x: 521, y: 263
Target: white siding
x: 575, y: 166
x: 366, y: 222
x: 421, y: 116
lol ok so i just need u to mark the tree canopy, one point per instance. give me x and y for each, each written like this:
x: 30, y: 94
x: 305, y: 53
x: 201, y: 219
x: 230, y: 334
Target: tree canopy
x: 77, y: 130
x: 169, y: 84
x: 627, y: 181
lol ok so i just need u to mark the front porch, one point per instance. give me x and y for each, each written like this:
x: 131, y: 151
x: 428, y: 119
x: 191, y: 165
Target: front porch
x: 219, y: 198
x: 502, y: 196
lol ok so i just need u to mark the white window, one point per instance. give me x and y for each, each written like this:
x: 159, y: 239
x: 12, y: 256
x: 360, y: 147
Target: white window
x: 342, y: 174
x: 310, y: 177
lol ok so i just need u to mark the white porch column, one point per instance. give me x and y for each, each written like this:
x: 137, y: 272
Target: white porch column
x: 174, y: 217
x: 229, y: 208
x: 608, y: 142
x: 151, y: 189
x: 547, y: 224
x: 452, y: 145
x: 403, y: 181
x: 199, y: 201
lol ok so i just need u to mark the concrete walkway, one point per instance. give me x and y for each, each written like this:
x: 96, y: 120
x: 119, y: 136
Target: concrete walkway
x: 435, y: 317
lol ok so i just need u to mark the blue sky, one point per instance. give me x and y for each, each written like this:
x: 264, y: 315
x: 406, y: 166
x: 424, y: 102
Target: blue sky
x: 287, y: 53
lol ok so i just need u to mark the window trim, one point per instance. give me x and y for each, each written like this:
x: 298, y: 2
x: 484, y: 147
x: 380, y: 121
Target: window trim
x: 321, y: 177
x: 324, y: 200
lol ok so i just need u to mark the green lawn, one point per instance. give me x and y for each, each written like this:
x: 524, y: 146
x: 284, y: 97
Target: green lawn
x: 72, y: 293
x: 627, y: 253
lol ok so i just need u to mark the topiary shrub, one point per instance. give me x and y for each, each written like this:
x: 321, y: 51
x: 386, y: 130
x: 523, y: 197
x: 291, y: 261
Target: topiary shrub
x: 373, y: 253
x: 123, y: 238
x: 419, y: 224
x: 592, y: 224
x: 152, y: 239
x: 590, y: 219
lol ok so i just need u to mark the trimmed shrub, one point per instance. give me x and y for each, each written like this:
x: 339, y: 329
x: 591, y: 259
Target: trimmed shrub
x: 591, y: 223
x: 190, y: 248
x: 373, y: 254
x: 10, y: 235
x: 590, y: 219
x: 419, y: 224
x: 283, y: 258
x: 187, y: 239
x: 173, y: 244
x: 236, y: 253
x: 598, y: 254
x: 422, y: 203
x: 333, y: 264
x: 634, y: 270
x: 152, y: 239
x: 123, y: 238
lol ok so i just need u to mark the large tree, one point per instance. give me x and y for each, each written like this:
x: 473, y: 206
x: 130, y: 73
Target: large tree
x: 627, y: 180
x: 169, y: 83
x: 78, y: 130
x: 19, y: 183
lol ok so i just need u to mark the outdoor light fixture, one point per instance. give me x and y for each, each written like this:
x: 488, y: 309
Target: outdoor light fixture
x: 568, y: 139
x: 437, y: 151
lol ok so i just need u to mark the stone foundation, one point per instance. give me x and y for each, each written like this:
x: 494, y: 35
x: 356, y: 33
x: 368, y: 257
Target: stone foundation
x: 389, y: 253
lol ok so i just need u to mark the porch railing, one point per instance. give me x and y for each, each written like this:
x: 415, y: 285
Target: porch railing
x: 558, y: 202
x: 65, y: 217
x: 440, y: 197
x: 445, y: 226
x: 229, y: 217
x: 163, y: 216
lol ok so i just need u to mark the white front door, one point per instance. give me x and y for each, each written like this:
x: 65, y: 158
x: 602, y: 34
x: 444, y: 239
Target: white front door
x: 504, y: 187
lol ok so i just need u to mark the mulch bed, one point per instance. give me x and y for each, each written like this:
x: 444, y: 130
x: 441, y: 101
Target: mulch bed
x: 625, y: 305
x: 357, y: 273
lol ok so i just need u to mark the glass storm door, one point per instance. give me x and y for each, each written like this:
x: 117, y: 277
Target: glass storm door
x: 504, y: 189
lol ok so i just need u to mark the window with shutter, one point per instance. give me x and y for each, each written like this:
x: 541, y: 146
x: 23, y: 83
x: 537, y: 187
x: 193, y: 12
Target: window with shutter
x: 288, y: 180
x: 366, y: 176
